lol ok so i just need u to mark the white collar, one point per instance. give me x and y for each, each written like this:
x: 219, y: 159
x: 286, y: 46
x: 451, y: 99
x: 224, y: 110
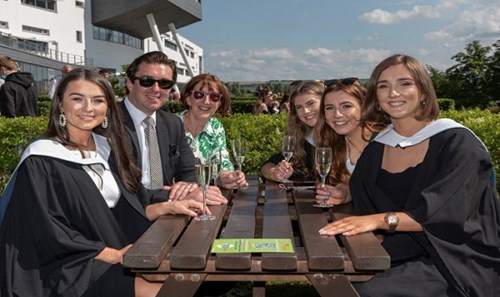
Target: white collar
x: 390, y: 137
x: 54, y: 149
x: 136, y: 114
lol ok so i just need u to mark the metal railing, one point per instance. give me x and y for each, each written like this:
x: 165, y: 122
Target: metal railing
x: 41, y: 49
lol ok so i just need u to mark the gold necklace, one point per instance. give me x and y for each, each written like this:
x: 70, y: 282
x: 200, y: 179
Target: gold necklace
x: 350, y: 143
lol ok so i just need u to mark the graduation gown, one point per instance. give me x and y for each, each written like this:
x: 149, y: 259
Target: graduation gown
x: 56, y: 223
x: 453, y: 199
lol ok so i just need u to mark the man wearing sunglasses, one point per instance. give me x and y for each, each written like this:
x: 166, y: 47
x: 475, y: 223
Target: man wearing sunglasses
x: 150, y: 78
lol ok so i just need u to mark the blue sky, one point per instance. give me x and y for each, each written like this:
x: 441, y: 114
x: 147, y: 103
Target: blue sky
x: 254, y: 40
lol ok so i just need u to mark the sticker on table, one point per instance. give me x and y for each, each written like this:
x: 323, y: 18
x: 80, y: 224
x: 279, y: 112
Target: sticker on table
x: 252, y: 245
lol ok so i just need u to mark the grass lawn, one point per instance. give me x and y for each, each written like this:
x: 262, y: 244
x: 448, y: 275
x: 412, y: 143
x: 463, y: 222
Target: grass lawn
x: 290, y: 289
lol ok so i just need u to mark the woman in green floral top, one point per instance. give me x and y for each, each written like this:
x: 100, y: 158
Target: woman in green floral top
x: 203, y: 96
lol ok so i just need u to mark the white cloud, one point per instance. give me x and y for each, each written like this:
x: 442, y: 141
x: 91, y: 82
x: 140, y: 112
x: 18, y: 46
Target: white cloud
x: 482, y: 24
x: 380, y: 16
x: 311, y: 63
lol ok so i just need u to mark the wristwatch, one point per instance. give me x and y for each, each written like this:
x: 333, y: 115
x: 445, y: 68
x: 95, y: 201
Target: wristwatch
x: 392, y: 220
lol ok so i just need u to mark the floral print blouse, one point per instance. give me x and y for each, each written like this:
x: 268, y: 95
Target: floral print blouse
x: 208, y: 142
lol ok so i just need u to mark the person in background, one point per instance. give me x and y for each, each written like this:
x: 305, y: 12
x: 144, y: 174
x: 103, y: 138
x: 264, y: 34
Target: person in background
x: 303, y: 116
x: 150, y: 78
x: 203, y: 97
x: 340, y: 127
x: 425, y: 184
x: 54, y: 81
x: 85, y: 202
x: 285, y: 104
x: 104, y: 73
x: 265, y: 102
x: 18, y: 95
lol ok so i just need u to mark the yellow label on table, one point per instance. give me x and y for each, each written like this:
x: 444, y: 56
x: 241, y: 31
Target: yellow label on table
x: 252, y: 245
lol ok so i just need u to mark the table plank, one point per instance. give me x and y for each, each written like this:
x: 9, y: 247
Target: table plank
x: 152, y: 247
x: 277, y: 224
x: 364, y: 249
x: 240, y: 224
x: 322, y: 252
x: 332, y: 285
x: 193, y: 248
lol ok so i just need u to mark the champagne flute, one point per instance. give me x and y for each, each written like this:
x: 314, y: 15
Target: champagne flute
x: 287, y: 148
x: 239, y: 151
x: 203, y: 175
x: 216, y: 165
x: 323, y: 161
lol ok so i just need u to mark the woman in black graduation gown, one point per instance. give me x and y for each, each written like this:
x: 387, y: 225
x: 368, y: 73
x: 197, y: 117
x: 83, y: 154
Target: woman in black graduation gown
x: 426, y: 185
x: 68, y: 215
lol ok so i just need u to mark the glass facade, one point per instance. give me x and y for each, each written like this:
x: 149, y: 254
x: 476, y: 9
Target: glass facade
x: 117, y: 37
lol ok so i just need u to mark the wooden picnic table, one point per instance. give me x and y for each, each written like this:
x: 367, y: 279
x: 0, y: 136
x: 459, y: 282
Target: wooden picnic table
x: 177, y: 250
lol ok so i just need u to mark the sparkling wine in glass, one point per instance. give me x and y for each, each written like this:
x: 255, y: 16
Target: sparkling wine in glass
x: 216, y: 165
x: 203, y: 175
x: 287, y: 148
x: 239, y: 151
x: 323, y: 162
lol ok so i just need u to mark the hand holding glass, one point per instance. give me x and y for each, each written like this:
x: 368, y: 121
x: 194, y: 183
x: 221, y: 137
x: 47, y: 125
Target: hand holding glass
x: 216, y: 165
x: 323, y: 161
x: 287, y: 148
x: 203, y: 176
x: 239, y: 151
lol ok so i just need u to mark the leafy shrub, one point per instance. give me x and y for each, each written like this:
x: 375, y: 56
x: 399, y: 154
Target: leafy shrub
x: 15, y: 134
x: 174, y: 106
x: 446, y: 104
x: 263, y: 134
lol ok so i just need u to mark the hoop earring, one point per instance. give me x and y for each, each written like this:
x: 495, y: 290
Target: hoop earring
x: 62, y: 120
x: 105, y: 123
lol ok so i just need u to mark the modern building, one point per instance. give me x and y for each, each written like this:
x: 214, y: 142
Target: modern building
x: 44, y: 35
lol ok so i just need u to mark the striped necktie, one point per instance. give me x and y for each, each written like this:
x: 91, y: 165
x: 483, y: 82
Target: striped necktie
x: 155, y: 168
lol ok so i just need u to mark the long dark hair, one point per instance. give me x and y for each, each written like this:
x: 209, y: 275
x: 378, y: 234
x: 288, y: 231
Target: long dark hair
x: 128, y: 172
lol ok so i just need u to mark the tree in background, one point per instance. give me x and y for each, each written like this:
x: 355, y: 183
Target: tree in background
x: 468, y: 81
x: 493, y: 74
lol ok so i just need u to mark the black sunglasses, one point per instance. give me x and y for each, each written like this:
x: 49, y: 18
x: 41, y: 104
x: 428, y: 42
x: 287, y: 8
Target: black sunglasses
x: 344, y: 81
x: 146, y: 82
x: 213, y: 96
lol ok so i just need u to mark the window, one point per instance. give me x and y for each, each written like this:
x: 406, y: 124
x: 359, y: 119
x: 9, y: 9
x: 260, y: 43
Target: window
x: 32, y: 45
x: 79, y: 4
x: 117, y: 37
x: 79, y: 36
x: 36, y: 30
x: 169, y: 44
x: 4, y: 25
x: 45, y: 4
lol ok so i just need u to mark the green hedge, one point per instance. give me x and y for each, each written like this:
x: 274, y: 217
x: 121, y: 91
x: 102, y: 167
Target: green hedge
x: 263, y: 134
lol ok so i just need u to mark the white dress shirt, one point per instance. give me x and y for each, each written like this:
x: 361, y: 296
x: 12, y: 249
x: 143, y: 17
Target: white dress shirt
x: 138, y: 118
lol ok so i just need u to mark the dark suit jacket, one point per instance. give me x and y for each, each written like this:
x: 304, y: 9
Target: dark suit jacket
x: 176, y: 156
